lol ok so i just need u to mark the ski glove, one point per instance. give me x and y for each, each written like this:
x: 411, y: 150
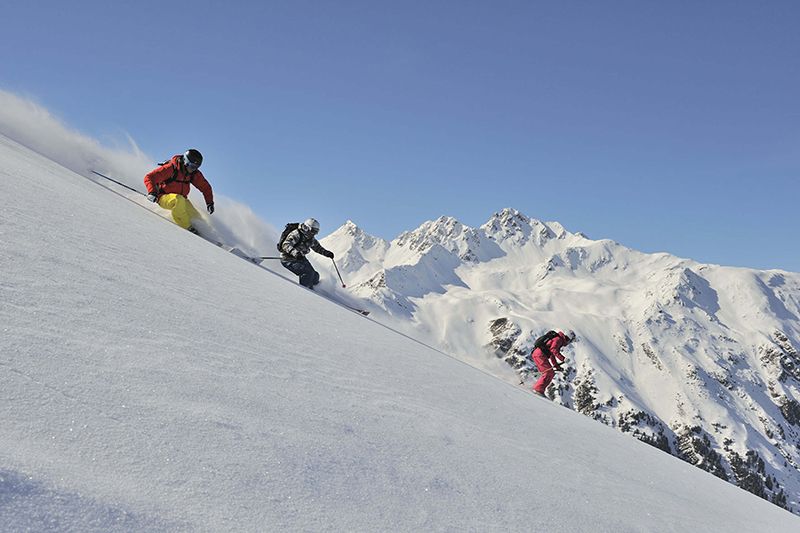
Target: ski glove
x: 210, y: 208
x: 152, y: 197
x: 328, y: 253
x: 558, y: 368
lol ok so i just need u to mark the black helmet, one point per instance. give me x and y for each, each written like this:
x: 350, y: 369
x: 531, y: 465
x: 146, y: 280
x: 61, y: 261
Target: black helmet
x: 192, y: 158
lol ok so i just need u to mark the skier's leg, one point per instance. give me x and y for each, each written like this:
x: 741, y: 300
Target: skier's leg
x: 546, y: 373
x: 309, y: 277
x: 292, y: 266
x: 303, y: 269
x: 181, y: 208
x: 184, y: 212
x: 544, y: 380
x: 167, y: 201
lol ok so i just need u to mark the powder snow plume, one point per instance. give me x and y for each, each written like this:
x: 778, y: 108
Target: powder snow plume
x: 32, y: 125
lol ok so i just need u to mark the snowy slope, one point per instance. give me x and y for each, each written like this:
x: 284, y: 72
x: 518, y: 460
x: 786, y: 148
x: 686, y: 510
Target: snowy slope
x: 699, y: 360
x: 152, y: 381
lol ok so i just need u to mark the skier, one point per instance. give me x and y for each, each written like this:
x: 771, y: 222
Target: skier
x: 168, y: 184
x: 295, y: 243
x: 548, y: 358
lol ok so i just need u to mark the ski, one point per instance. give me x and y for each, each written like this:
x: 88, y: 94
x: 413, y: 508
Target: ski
x: 362, y: 312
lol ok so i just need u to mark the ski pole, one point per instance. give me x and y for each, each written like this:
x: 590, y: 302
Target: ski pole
x: 118, y: 183
x: 268, y: 257
x: 337, y: 273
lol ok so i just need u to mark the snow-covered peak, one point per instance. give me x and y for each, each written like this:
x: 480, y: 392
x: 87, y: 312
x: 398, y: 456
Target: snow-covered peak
x: 350, y: 233
x: 509, y: 225
x: 467, y: 243
x: 357, y: 252
x: 440, y: 231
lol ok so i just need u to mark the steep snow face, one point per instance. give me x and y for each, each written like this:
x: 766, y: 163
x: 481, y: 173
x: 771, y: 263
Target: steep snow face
x: 698, y: 360
x: 163, y: 384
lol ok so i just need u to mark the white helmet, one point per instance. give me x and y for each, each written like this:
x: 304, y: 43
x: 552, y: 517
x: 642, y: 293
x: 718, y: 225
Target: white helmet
x: 310, y: 226
x: 570, y: 335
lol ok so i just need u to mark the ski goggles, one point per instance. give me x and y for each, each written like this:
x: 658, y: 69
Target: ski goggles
x: 189, y: 165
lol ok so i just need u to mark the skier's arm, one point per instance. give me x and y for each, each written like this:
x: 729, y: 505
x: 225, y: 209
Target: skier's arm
x: 317, y: 247
x: 555, y: 352
x: 199, y: 181
x: 157, y: 176
x: 289, y: 244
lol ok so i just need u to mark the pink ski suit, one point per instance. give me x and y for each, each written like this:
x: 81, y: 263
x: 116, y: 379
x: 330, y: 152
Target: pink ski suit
x: 543, y: 361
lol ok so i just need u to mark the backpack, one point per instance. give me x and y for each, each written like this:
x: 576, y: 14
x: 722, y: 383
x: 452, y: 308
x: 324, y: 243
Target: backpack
x: 174, y: 173
x: 290, y: 227
x: 543, y: 341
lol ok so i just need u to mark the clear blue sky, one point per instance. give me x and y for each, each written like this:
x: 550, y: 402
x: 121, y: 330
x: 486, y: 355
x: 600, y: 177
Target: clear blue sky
x: 667, y: 126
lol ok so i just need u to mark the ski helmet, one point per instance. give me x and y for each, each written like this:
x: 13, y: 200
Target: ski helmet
x: 192, y: 158
x: 570, y: 335
x: 310, y: 226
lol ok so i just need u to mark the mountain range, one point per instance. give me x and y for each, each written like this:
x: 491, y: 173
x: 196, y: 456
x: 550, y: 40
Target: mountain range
x: 698, y: 360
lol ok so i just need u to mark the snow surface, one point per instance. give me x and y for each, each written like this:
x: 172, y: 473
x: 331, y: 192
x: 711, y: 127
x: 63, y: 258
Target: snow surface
x: 154, y: 382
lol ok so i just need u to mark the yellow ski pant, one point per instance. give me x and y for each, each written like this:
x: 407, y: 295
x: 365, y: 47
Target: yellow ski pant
x: 182, y: 209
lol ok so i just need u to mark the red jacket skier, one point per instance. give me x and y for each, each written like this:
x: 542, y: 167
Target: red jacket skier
x: 169, y: 186
x: 549, y: 360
